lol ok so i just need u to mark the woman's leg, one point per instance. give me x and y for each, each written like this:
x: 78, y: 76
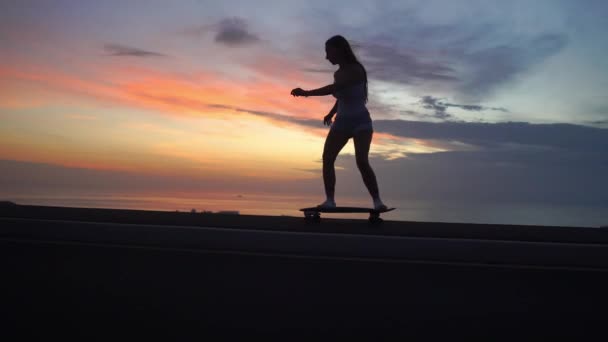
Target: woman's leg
x: 363, y: 140
x: 334, y: 142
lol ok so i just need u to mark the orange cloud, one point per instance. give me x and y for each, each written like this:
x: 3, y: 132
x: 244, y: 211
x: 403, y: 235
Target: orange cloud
x: 81, y: 117
x: 58, y: 82
x: 167, y: 93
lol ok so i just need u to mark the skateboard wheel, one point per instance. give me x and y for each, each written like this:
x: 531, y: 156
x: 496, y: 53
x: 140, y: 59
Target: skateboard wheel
x: 375, y: 220
x: 312, y: 217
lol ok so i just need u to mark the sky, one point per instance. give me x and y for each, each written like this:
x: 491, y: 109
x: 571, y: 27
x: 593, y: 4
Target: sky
x: 470, y: 100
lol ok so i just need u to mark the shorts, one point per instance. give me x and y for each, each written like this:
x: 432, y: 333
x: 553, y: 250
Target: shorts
x: 351, y: 128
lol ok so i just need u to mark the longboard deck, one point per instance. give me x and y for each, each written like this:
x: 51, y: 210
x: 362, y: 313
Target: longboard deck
x: 313, y: 214
x: 345, y: 210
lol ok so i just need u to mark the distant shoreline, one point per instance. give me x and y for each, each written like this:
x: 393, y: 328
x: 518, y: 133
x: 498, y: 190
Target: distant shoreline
x: 536, y: 214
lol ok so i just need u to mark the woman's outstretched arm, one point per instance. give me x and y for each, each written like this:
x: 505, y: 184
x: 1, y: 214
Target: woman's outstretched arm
x: 341, y: 80
x: 327, y: 90
x: 323, y: 91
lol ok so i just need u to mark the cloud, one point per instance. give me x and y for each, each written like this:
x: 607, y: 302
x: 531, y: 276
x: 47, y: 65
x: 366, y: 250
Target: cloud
x: 475, y: 108
x: 511, y: 176
x: 496, y: 135
x: 389, y: 64
x: 468, y: 61
x: 493, y: 66
x: 430, y: 102
x: 560, y: 143
x: 81, y: 117
x: 469, y: 58
x: 598, y: 123
x: 230, y: 31
x: 123, y: 50
x: 318, y: 70
x: 234, y: 32
x: 277, y: 118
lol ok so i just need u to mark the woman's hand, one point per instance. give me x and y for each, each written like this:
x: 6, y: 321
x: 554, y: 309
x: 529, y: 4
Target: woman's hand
x: 327, y: 119
x: 298, y: 92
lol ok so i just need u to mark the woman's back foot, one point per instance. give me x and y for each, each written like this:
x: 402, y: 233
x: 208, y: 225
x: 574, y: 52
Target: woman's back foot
x: 328, y: 204
x: 378, y: 205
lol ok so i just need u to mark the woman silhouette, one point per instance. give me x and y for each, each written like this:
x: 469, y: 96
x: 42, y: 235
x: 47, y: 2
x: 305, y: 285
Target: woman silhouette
x: 353, y: 119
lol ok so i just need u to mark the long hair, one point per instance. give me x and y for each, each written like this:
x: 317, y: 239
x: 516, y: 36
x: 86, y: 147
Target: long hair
x: 343, y: 46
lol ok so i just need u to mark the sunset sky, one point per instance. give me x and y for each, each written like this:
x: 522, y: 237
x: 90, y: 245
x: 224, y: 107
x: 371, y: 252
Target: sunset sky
x: 484, y: 100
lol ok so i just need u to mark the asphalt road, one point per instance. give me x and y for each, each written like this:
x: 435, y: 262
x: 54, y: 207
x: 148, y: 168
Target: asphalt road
x: 65, y: 279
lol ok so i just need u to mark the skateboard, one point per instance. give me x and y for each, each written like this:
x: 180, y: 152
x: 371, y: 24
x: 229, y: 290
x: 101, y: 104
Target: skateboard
x: 313, y: 214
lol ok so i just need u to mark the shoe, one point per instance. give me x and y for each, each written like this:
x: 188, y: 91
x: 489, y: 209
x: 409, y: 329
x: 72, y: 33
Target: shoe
x: 328, y: 204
